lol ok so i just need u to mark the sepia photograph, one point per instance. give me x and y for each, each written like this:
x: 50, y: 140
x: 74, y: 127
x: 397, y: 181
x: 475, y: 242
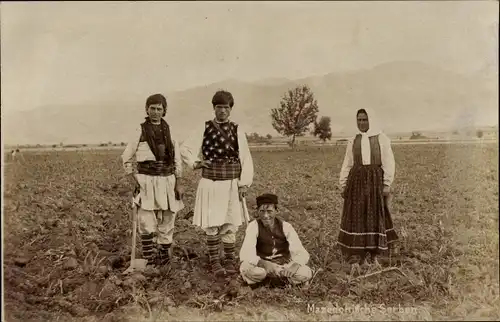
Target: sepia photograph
x: 249, y: 161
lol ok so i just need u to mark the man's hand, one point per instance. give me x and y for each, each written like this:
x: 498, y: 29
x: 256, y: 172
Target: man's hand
x: 386, y: 191
x: 133, y: 182
x: 272, y: 269
x: 179, y: 190
x: 291, y: 270
x: 242, y: 191
x: 202, y: 164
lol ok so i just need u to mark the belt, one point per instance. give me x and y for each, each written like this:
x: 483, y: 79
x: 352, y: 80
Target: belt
x: 219, y: 171
x: 155, y: 168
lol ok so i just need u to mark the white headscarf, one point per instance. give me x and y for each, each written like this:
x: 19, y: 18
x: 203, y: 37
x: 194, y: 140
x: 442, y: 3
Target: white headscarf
x: 374, y: 129
x: 374, y: 123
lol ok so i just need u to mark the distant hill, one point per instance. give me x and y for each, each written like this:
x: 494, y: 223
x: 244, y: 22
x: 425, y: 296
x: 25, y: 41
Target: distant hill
x: 408, y: 96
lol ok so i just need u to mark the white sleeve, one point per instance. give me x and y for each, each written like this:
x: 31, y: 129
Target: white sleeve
x: 129, y: 154
x: 248, y: 250
x: 190, y: 149
x: 297, y: 251
x: 346, y: 165
x: 387, y: 156
x: 247, y: 170
x: 177, y: 159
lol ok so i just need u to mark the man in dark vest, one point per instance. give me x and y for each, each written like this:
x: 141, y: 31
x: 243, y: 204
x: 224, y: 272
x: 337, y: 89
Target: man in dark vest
x: 153, y: 163
x: 272, y: 247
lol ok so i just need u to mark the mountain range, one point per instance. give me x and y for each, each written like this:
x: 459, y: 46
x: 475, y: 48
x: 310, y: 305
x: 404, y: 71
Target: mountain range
x: 408, y: 96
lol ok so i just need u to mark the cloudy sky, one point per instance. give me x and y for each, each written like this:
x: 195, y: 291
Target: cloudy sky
x: 60, y: 53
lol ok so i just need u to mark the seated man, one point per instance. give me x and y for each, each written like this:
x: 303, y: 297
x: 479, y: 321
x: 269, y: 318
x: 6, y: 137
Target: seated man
x: 272, y: 247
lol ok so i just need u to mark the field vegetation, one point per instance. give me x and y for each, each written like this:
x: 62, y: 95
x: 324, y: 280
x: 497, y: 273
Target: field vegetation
x: 67, y: 240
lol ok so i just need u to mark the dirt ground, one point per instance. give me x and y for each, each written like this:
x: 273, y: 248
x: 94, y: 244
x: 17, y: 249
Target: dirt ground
x: 67, y: 240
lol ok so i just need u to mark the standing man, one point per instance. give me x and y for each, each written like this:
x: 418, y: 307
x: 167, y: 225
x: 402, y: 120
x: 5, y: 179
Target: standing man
x: 156, y: 177
x: 221, y: 151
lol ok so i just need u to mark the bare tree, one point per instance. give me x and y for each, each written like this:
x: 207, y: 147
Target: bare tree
x: 298, y: 109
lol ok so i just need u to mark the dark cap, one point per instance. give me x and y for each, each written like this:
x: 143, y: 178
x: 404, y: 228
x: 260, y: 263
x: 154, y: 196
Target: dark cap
x: 267, y: 198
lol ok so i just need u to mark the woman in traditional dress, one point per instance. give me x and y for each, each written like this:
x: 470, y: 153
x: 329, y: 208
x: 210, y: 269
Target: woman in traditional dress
x: 365, y: 179
x: 220, y: 149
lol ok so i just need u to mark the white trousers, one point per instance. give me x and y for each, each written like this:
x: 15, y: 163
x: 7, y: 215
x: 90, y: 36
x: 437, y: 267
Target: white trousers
x: 227, y: 232
x: 159, y: 222
x: 253, y: 274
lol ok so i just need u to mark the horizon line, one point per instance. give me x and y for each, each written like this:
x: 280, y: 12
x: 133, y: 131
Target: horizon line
x: 337, y: 135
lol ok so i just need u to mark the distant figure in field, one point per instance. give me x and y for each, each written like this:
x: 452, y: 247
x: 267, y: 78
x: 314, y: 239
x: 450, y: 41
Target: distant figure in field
x: 158, y: 191
x: 366, y: 177
x: 15, y: 155
x: 272, y: 248
x: 219, y: 147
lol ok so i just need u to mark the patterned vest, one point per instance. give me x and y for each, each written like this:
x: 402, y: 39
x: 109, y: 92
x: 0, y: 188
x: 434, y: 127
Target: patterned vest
x: 376, y: 158
x: 274, y: 242
x: 216, y: 147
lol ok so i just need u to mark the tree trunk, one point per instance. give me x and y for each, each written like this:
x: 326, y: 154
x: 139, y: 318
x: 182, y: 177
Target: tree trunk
x: 293, y: 141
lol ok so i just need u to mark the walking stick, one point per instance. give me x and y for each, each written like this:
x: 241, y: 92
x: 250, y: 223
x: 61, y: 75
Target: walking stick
x: 245, y: 210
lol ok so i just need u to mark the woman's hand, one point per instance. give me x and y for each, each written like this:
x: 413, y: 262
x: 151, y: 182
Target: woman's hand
x: 386, y: 191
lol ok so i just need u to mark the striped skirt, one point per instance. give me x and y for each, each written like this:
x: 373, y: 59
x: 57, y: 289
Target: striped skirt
x: 366, y: 224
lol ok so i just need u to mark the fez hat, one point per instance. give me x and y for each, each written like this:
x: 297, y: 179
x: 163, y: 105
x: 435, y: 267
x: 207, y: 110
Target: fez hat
x: 267, y: 198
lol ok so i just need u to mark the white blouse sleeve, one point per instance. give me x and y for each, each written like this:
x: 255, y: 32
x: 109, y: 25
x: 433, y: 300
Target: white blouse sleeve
x: 191, y: 149
x: 346, y: 165
x: 387, y: 156
x: 129, y: 154
x: 247, y: 170
x: 248, y: 251
x: 297, y: 251
x: 177, y: 159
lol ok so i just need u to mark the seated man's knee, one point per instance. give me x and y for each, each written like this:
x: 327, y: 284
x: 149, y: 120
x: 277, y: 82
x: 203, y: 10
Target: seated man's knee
x: 251, y: 273
x: 303, y: 274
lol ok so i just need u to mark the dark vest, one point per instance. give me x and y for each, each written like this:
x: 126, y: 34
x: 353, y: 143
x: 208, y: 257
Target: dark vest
x: 375, y: 159
x: 159, y: 140
x: 267, y: 240
x: 216, y: 147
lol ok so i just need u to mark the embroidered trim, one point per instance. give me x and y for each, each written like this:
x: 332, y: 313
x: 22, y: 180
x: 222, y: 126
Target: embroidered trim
x: 363, y: 247
x: 381, y: 234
